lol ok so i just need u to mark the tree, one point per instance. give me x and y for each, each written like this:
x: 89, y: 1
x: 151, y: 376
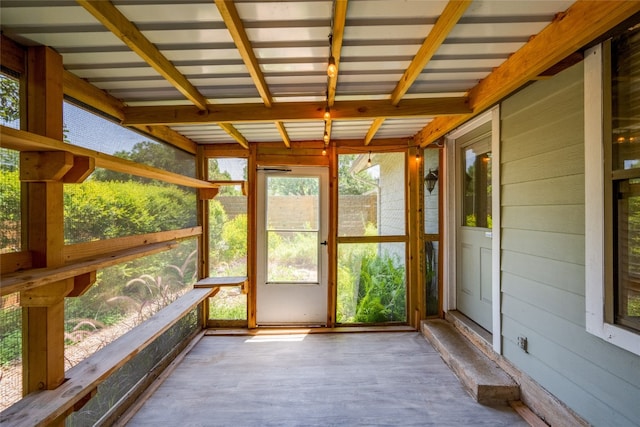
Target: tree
x: 350, y: 182
x: 9, y: 99
x: 153, y: 154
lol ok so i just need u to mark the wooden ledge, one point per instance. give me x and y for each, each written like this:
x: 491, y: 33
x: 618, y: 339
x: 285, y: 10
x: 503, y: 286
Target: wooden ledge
x: 30, y: 279
x: 43, y: 407
x: 218, y: 282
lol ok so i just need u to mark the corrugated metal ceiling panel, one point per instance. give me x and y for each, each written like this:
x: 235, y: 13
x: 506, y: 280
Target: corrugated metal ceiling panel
x: 290, y: 42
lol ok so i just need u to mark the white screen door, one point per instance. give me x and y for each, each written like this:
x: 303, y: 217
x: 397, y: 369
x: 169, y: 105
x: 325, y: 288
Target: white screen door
x: 292, y: 246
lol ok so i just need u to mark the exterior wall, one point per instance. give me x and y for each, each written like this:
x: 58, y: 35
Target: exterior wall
x: 392, y: 192
x: 543, y: 261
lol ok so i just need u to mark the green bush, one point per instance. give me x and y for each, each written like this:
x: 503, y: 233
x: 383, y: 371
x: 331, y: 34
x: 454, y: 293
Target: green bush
x: 102, y: 210
x: 381, y: 291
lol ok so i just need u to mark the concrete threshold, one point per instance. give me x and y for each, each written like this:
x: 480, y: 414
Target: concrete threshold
x: 482, y: 377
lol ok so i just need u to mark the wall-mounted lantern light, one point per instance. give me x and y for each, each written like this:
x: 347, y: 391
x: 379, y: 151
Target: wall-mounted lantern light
x: 431, y: 179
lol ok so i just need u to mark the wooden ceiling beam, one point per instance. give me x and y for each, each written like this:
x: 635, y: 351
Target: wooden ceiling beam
x: 580, y: 25
x: 235, y: 134
x: 235, y: 26
x: 447, y: 20
x: 125, y: 30
x: 294, y: 111
x: 339, y: 21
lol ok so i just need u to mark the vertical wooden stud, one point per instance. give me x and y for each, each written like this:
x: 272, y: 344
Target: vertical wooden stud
x: 332, y: 238
x: 202, y: 172
x: 43, y: 308
x: 252, y: 238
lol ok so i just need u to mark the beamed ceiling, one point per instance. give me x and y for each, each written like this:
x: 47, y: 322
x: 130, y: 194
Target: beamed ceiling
x: 216, y: 71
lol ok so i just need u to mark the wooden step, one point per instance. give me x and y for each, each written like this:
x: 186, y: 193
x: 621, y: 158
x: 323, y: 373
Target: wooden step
x: 484, y: 379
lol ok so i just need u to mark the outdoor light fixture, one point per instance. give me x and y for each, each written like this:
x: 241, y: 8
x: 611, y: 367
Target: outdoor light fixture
x: 327, y: 113
x: 326, y: 137
x: 324, y: 151
x: 431, y: 179
x: 332, y: 68
x: 417, y: 158
x: 369, y: 161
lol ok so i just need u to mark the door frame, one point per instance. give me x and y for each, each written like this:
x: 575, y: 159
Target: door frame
x: 451, y: 206
x: 324, y: 223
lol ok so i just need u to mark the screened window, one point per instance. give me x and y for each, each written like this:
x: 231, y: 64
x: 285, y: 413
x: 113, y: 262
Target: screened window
x: 228, y: 237
x: 625, y: 176
x: 372, y: 241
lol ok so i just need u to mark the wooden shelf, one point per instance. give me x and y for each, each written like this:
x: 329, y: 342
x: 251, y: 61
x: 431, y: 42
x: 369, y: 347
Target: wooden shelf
x: 25, y: 141
x: 218, y: 282
x: 44, y: 407
x: 30, y: 279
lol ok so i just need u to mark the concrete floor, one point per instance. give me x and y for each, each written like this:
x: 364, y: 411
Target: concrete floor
x: 348, y: 379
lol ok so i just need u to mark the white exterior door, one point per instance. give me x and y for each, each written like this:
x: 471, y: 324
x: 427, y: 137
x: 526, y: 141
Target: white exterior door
x: 292, y: 246
x: 474, y: 245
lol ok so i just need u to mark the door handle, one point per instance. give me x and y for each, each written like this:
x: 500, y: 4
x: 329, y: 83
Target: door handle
x: 324, y: 243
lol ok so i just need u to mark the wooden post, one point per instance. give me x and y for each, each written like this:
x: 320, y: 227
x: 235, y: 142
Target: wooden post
x: 43, y: 308
x: 415, y: 228
x: 202, y: 172
x: 333, y: 235
x: 252, y: 241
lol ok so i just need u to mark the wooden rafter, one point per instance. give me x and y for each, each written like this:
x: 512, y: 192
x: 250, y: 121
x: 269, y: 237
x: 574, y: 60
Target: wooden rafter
x: 337, y: 35
x: 339, y: 20
x: 235, y: 134
x: 293, y: 111
x: 234, y: 24
x: 448, y: 19
x: 582, y: 23
x: 118, y: 24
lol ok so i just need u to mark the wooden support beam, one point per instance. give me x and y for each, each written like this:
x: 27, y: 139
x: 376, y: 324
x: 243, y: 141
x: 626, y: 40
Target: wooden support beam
x: 295, y: 111
x: 283, y: 134
x: 82, y: 283
x: 125, y: 30
x: 234, y: 24
x: 82, y: 167
x: 12, y: 55
x: 447, y: 20
x: 44, y: 166
x: 373, y: 129
x: 43, y: 309
x: 235, y: 134
x: 207, y: 193
x: 339, y: 20
x: 581, y: 24
x: 14, y: 261
x: 25, y: 141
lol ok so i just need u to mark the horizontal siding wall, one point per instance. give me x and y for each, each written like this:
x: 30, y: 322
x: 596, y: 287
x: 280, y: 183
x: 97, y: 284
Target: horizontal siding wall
x: 542, y: 260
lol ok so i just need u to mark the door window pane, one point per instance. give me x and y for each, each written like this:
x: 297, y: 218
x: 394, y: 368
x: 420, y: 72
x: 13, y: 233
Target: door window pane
x: 293, y: 227
x: 628, y: 250
x: 477, y: 185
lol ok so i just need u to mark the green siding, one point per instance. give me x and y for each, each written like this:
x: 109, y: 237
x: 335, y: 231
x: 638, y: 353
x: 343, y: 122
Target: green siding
x: 542, y: 259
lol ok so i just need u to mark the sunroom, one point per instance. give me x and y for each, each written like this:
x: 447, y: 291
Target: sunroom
x: 190, y: 183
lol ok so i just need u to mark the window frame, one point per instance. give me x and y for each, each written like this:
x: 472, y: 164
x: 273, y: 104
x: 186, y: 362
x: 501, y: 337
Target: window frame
x: 599, y: 262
